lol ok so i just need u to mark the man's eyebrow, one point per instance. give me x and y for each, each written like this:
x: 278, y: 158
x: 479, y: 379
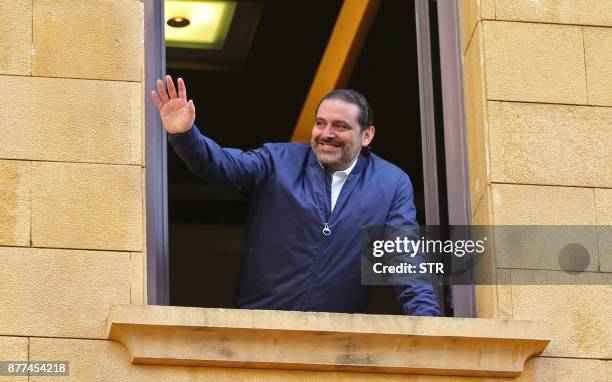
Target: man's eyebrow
x: 342, y: 122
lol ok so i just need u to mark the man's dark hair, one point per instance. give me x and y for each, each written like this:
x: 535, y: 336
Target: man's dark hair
x: 366, y: 114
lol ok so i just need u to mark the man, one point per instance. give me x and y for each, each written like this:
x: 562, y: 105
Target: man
x: 308, y: 205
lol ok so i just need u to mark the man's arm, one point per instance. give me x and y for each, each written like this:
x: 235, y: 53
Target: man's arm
x: 417, y: 296
x: 227, y: 167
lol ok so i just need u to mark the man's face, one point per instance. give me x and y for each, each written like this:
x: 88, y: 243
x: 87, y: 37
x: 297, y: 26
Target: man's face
x: 336, y: 135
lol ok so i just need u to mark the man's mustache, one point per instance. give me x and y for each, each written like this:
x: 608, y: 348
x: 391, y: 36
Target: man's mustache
x: 330, y: 141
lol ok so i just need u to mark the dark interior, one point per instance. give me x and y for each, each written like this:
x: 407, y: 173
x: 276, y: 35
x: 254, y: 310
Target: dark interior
x: 260, y: 101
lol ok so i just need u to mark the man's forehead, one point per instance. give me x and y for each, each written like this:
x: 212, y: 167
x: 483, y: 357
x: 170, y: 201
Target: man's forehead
x: 337, y: 109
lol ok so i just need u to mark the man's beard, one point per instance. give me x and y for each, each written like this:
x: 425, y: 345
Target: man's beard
x: 336, y: 161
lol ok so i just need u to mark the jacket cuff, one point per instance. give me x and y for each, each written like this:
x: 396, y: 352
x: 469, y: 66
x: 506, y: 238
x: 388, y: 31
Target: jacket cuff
x: 184, y: 138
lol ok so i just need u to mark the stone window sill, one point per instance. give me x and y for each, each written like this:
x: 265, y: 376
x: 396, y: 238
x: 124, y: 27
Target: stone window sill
x: 166, y: 335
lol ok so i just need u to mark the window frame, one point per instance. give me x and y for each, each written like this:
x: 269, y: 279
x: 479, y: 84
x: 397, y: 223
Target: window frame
x: 457, y: 180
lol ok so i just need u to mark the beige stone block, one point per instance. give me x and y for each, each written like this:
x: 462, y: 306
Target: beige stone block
x: 144, y: 236
x: 16, y: 37
x: 137, y: 278
x: 583, y: 12
x: 13, y: 349
x: 137, y: 131
x: 60, y: 293
x: 91, y: 121
x: 578, y: 307
x: 544, y: 369
x: 486, y: 295
x: 550, y: 144
x: 603, y: 207
x: 486, y: 301
x: 598, y: 56
x: 553, y: 227
x: 483, y: 214
x: 534, y: 62
x: 475, y: 110
x: 487, y: 9
x: 515, y: 204
x: 84, y: 39
x: 93, y: 360
x: 504, y: 294
x: 99, y: 206
x: 15, y: 203
x: 469, y: 16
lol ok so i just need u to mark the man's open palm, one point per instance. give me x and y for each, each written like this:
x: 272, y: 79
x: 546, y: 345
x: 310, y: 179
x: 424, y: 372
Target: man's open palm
x: 176, y: 113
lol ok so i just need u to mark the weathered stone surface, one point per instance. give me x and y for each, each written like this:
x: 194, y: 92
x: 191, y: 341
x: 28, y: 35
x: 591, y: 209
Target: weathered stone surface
x: 475, y: 106
x: 598, y: 56
x: 579, y: 308
x: 486, y: 301
x: 603, y: 207
x: 15, y: 203
x: 504, y: 294
x: 583, y: 12
x: 487, y: 9
x: 60, y: 293
x: 81, y: 121
x: 515, y: 204
x: 93, y: 360
x: 137, y: 278
x: 13, y: 349
x: 469, y: 16
x: 83, y: 39
x: 483, y: 214
x: 16, y: 37
x: 544, y: 369
x: 99, y: 206
x: 534, y: 62
x: 550, y: 144
x: 548, y: 245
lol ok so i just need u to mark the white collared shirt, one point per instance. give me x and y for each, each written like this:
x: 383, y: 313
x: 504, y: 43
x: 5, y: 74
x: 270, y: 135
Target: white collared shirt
x: 338, y: 180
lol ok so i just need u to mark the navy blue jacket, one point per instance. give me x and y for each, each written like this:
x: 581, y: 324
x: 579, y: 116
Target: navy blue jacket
x: 290, y: 263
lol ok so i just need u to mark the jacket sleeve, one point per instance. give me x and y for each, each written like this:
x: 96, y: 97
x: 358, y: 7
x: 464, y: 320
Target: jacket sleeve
x: 417, y: 297
x: 232, y: 168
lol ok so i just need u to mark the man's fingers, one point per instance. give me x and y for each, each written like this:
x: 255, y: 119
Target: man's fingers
x: 171, y: 88
x: 156, y: 100
x: 162, y: 91
x: 182, y: 90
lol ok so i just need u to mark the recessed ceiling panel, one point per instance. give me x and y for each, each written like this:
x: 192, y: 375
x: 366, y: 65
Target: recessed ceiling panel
x: 197, y: 24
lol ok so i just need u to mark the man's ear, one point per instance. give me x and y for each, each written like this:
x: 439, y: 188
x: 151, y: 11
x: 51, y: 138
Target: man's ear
x: 367, y: 135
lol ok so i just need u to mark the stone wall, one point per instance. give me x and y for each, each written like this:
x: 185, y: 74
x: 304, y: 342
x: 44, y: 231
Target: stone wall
x: 71, y: 173
x: 538, y: 91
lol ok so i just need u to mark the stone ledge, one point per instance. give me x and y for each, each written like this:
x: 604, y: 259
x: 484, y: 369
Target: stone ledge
x: 165, y: 335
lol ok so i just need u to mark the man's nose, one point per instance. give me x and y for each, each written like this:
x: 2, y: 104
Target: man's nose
x: 328, y: 131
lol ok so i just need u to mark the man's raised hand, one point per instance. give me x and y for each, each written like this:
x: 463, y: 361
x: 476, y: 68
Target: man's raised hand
x: 176, y: 113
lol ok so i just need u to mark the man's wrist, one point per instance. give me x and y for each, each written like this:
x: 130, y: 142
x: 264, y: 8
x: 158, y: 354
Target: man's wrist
x: 182, y: 133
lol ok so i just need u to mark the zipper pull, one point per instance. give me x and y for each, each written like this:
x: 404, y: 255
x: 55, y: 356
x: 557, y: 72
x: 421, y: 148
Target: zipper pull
x: 326, y: 230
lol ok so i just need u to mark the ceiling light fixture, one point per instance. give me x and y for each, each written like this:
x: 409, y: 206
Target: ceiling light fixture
x: 178, y: 22
x: 197, y: 24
